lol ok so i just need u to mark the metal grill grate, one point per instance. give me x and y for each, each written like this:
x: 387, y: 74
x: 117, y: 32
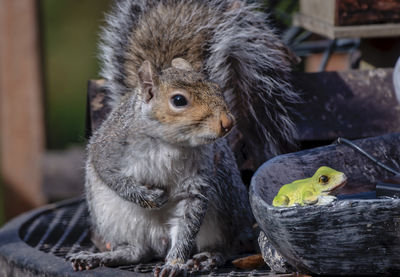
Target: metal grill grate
x: 64, y: 229
x: 59, y: 231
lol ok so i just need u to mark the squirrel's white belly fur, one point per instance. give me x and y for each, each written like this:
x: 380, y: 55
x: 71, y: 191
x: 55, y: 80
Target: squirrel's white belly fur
x: 161, y: 165
x: 119, y: 221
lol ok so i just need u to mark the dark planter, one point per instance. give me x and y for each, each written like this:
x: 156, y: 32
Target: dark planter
x: 346, y: 237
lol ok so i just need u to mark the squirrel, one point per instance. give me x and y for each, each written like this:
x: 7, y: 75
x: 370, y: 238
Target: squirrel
x: 161, y: 177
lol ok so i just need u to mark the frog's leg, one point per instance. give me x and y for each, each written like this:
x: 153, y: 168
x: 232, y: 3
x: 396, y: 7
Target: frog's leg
x: 281, y: 201
x: 309, y: 197
x: 326, y: 199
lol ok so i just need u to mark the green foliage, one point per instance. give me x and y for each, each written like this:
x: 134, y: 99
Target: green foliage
x: 281, y: 10
x: 70, y: 35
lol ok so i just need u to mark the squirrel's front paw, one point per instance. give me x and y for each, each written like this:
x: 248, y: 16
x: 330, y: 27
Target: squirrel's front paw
x: 205, y: 261
x: 171, y: 269
x: 152, y: 198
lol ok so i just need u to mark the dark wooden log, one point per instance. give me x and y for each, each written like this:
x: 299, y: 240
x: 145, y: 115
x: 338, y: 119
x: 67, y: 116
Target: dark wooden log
x: 97, y: 106
x: 353, y: 104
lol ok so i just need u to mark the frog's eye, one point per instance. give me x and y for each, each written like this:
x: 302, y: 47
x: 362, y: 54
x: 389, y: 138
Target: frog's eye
x: 323, y: 179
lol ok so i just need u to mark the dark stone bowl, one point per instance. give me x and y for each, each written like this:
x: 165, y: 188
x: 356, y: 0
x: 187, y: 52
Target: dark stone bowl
x: 346, y: 237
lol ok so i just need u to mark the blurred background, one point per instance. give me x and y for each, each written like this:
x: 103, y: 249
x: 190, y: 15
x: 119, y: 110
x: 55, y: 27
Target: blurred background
x: 69, y: 35
x: 48, y: 52
x: 60, y: 39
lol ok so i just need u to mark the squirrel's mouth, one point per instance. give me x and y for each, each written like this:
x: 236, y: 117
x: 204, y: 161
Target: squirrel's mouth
x: 208, y: 138
x: 204, y: 139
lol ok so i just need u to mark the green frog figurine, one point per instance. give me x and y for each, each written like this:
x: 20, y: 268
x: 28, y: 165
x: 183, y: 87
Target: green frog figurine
x: 318, y: 189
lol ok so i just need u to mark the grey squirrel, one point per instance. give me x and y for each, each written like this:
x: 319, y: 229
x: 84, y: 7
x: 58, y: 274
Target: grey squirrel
x: 161, y: 178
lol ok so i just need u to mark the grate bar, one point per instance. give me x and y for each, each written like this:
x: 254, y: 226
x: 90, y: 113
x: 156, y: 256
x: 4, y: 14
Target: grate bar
x: 77, y: 244
x: 52, y: 226
x: 32, y: 228
x: 75, y: 219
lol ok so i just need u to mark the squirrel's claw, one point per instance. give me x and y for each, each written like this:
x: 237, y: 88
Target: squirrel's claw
x: 153, y: 198
x: 171, y: 270
x: 205, y: 261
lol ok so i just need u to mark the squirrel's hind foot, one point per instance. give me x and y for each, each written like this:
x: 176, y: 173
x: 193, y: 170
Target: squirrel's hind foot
x: 123, y: 255
x: 85, y: 260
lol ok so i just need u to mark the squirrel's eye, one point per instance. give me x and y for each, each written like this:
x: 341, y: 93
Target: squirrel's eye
x: 179, y: 100
x: 323, y: 179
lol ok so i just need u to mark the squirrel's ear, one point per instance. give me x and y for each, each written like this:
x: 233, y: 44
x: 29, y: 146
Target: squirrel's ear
x: 145, y: 74
x: 180, y: 63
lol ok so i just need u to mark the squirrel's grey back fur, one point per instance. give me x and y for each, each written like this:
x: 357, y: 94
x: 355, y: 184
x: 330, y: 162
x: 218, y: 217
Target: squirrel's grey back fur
x: 239, y: 51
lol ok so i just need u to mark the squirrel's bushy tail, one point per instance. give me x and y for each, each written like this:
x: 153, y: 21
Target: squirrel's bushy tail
x: 253, y: 67
x: 114, y: 40
x: 242, y: 54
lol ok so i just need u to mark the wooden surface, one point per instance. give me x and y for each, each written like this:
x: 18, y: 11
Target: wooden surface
x: 321, y: 9
x: 359, y: 12
x: 21, y: 109
x: 336, y: 62
x: 352, y: 12
x: 326, y: 29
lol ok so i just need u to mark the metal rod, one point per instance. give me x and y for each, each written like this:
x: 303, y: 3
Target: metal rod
x: 359, y: 149
x: 327, y: 54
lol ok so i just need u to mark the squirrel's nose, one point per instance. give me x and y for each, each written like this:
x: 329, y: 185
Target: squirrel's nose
x: 227, y: 122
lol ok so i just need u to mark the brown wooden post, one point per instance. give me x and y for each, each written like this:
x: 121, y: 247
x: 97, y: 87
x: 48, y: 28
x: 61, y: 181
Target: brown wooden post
x: 21, y: 107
